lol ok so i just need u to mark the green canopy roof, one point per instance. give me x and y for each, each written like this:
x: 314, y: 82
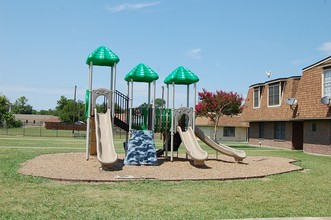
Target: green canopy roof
x: 141, y: 73
x: 181, y: 76
x: 103, y: 56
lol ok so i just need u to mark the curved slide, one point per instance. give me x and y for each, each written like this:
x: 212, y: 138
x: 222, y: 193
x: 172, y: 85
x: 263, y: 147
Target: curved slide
x: 104, y: 136
x: 192, y: 146
x: 238, y: 155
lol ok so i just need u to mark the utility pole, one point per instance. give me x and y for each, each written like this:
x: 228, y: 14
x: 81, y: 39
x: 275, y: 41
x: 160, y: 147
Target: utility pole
x: 74, y: 113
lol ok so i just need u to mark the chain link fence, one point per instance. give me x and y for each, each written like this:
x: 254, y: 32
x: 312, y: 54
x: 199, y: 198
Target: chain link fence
x: 38, y: 129
x: 60, y: 130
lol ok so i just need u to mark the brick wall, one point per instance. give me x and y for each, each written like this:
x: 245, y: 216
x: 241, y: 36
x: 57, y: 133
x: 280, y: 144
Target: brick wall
x: 268, y: 139
x: 317, y: 149
x: 319, y: 141
x: 309, y: 93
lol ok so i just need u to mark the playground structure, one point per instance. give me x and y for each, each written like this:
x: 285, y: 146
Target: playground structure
x: 140, y: 124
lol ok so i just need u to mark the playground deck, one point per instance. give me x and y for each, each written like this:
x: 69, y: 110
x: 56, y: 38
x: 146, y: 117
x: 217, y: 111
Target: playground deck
x: 74, y: 167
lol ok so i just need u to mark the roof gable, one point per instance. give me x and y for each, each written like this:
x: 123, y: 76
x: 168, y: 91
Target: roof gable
x: 306, y: 89
x: 317, y: 63
x: 264, y: 112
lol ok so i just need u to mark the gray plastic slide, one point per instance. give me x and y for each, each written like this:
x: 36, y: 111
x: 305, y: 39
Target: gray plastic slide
x: 104, y: 136
x: 192, y: 146
x: 238, y: 155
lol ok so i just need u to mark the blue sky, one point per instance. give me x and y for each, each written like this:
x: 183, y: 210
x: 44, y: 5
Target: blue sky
x: 229, y: 44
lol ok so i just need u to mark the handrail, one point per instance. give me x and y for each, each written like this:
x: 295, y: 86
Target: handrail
x: 121, y: 106
x: 140, y: 116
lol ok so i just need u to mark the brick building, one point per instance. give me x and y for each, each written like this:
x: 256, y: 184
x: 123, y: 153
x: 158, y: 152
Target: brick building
x: 230, y: 128
x: 293, y: 112
x: 36, y: 120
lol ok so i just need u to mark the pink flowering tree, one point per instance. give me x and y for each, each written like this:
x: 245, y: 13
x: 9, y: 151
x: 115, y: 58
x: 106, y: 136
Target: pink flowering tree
x: 214, y: 105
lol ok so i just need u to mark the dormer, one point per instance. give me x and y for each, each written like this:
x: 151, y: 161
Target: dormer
x: 275, y: 90
x: 257, y: 95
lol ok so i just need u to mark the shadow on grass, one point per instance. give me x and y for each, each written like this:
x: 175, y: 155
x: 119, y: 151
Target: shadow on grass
x: 243, y: 147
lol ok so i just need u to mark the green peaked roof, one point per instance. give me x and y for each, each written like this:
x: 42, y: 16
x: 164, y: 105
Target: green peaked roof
x: 141, y: 73
x: 102, y: 56
x: 181, y: 76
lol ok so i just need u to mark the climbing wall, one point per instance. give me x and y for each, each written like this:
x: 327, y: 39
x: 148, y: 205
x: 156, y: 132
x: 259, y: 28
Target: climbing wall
x: 141, y: 148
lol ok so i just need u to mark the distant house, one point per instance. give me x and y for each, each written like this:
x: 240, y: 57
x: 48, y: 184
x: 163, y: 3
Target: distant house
x: 230, y: 128
x: 36, y: 120
x: 289, y: 112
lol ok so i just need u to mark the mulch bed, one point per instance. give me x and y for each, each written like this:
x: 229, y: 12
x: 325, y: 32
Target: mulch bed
x: 74, y: 167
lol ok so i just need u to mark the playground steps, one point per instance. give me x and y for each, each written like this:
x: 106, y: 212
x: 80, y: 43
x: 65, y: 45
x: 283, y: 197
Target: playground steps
x: 121, y: 124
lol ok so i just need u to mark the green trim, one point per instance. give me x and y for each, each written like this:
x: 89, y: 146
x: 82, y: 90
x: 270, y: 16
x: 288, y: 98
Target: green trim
x: 87, y: 98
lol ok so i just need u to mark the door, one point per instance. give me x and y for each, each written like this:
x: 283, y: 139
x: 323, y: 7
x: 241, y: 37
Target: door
x: 297, y: 135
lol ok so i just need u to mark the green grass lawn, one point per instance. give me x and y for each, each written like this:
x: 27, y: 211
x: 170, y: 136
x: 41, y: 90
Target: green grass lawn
x: 300, y: 193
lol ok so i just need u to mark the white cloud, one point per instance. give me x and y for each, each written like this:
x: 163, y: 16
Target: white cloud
x: 195, y: 53
x: 326, y: 48
x: 129, y: 6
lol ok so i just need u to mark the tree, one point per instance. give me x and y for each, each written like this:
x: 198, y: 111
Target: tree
x: 20, y: 106
x: 144, y: 105
x: 47, y: 112
x: 80, y: 109
x: 65, y: 109
x: 6, y: 117
x: 159, y: 103
x: 101, y: 108
x: 214, y: 105
x: 118, y: 108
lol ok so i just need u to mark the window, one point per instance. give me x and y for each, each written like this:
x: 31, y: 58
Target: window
x: 274, y: 94
x: 327, y: 82
x: 256, y: 97
x: 313, y: 127
x: 229, y: 131
x: 279, y: 130
x: 257, y: 94
x: 261, y: 130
